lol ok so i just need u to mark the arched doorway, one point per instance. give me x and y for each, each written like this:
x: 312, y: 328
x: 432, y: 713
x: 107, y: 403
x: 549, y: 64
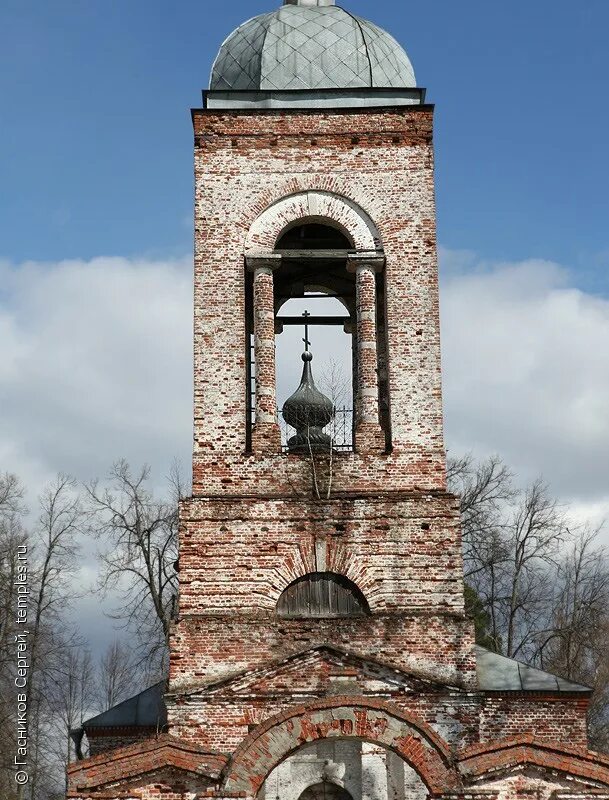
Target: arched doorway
x: 343, y: 770
x: 325, y: 791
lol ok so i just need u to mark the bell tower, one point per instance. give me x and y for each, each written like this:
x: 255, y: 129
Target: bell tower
x: 315, y: 175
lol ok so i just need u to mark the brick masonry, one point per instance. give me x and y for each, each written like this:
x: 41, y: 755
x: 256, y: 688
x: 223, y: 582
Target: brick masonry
x: 248, y: 688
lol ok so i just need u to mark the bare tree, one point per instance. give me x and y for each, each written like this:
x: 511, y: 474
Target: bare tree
x: 512, y: 540
x: 48, y: 552
x: 115, y: 675
x: 71, y: 697
x: 11, y: 494
x: 536, y: 529
x: 55, y: 553
x: 575, y: 643
x: 139, y: 560
x: 13, y: 542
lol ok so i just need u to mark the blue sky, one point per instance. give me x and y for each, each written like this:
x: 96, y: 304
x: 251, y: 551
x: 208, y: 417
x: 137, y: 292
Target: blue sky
x: 96, y: 133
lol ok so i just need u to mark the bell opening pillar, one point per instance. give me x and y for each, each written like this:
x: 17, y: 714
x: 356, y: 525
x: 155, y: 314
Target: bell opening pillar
x: 266, y: 434
x: 369, y: 435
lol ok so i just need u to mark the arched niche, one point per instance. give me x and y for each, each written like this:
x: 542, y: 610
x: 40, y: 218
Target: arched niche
x: 325, y: 790
x: 322, y: 595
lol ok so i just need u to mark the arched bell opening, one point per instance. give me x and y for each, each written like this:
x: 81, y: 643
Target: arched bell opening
x: 322, y: 595
x: 343, y: 769
x: 314, y: 298
x: 331, y: 295
x: 315, y: 280
x: 314, y: 236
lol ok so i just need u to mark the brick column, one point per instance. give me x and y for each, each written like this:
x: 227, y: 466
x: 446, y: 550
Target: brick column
x: 266, y: 435
x: 369, y: 436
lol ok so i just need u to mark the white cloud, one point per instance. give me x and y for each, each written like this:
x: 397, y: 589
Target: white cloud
x: 526, y: 372
x: 96, y: 365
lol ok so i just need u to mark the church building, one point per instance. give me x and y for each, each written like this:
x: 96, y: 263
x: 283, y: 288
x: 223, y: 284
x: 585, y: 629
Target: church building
x: 321, y: 649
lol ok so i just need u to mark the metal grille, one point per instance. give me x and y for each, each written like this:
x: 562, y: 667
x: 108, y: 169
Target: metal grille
x: 340, y: 430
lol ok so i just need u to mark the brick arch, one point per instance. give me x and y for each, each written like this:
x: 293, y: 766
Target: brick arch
x: 344, y: 717
x: 487, y: 761
x: 339, y: 558
x: 295, y: 600
x: 313, y: 206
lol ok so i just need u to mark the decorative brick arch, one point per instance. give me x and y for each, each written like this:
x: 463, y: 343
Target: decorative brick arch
x: 144, y: 758
x: 339, y: 558
x: 342, y: 717
x: 313, y: 206
x: 490, y: 760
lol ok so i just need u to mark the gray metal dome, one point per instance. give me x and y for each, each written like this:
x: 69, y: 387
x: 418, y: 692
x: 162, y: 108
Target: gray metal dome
x: 310, y: 44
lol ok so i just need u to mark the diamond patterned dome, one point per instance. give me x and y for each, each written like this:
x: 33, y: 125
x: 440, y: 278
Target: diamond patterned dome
x: 310, y: 47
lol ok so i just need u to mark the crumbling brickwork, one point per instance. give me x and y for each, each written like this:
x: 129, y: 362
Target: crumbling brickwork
x: 382, y: 161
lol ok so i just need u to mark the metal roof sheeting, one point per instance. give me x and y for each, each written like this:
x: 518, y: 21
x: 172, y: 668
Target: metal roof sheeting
x: 310, y: 47
x: 145, y: 710
x: 497, y: 673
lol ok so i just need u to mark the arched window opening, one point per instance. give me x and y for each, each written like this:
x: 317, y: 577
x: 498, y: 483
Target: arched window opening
x: 341, y: 769
x: 322, y: 595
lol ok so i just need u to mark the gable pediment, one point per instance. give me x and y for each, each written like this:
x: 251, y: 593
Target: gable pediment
x: 139, y: 762
x: 320, y: 671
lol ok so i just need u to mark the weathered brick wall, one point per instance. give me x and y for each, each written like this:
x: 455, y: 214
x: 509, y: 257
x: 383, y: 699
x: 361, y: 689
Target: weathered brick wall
x: 553, y: 719
x: 102, y: 744
x: 380, y: 160
x: 224, y: 723
x: 209, y: 648
x: 238, y: 556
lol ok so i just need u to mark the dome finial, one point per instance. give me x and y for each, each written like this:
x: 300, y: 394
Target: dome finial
x: 309, y: 2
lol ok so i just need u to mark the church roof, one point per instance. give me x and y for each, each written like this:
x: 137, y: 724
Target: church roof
x: 310, y: 45
x: 497, y: 673
x: 145, y: 710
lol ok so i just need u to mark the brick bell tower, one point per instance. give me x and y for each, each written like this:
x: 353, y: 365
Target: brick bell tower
x: 322, y: 649
x: 314, y: 173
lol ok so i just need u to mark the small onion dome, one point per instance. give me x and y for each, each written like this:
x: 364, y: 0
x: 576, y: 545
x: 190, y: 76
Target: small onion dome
x: 308, y: 411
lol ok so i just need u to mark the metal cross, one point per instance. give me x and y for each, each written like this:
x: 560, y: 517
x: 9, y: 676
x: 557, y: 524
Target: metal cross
x: 306, y: 341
